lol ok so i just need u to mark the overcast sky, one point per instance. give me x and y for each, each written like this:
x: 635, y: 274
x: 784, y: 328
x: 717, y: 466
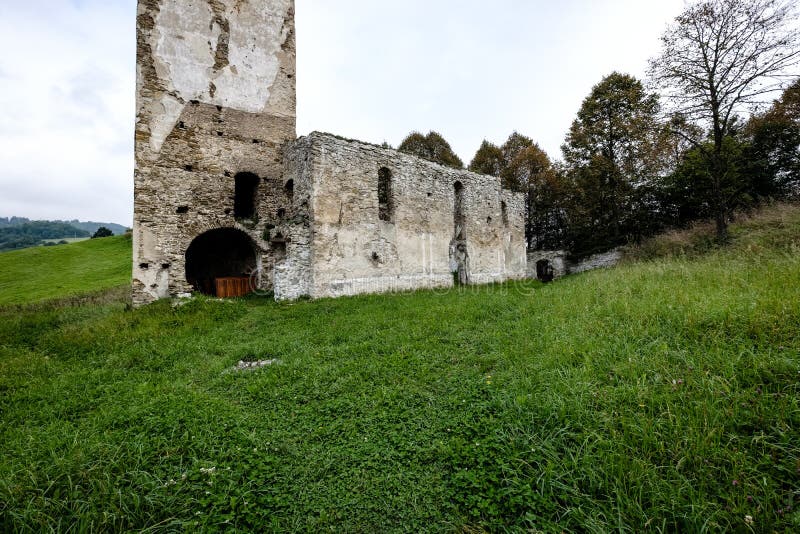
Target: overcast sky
x: 367, y: 69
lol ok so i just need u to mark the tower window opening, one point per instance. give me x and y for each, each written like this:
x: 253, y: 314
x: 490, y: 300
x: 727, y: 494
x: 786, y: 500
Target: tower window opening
x: 244, y: 201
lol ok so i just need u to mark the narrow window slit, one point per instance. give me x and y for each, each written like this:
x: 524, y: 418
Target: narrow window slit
x: 385, y: 195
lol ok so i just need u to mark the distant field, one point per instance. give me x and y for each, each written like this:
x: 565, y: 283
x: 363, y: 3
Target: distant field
x: 67, y: 239
x: 40, y: 273
x: 659, y: 396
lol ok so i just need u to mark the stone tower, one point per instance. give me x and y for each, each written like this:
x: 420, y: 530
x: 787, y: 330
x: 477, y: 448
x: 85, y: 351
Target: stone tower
x: 215, y: 111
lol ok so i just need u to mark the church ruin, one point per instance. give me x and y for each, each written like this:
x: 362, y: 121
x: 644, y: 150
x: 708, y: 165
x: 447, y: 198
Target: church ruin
x: 228, y: 200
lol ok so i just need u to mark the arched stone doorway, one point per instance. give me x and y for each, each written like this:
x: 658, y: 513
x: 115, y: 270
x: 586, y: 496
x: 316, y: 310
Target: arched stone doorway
x: 224, y: 257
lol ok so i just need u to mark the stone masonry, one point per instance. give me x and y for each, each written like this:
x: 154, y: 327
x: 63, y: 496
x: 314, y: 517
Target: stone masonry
x: 222, y: 186
x: 348, y: 249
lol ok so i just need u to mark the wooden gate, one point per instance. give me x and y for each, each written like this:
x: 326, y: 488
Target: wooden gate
x: 232, y: 286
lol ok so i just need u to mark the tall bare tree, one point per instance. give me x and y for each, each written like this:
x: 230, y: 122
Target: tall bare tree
x: 721, y: 58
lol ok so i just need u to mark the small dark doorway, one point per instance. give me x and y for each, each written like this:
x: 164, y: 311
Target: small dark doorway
x: 244, y: 200
x: 226, y: 258
x: 544, y: 270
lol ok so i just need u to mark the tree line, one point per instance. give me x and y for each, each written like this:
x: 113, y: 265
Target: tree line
x: 31, y: 234
x: 34, y: 233
x: 697, y: 140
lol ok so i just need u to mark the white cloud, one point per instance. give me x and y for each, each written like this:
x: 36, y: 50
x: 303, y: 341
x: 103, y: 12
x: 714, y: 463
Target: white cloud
x: 367, y: 69
x: 66, y: 140
x: 469, y: 69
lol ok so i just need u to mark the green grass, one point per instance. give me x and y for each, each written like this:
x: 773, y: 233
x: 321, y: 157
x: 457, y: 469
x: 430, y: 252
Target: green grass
x: 40, y: 273
x: 660, y: 396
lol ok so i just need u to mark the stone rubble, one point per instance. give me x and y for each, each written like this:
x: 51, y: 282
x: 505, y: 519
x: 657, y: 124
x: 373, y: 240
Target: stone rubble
x: 252, y: 366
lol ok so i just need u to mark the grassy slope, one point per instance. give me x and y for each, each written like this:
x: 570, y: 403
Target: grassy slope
x: 773, y: 227
x: 41, y: 273
x: 656, y: 396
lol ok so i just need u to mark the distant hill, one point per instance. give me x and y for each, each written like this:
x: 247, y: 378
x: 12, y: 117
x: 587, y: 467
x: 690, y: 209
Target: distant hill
x: 21, y: 232
x: 92, y: 227
x: 31, y: 234
x: 89, y: 226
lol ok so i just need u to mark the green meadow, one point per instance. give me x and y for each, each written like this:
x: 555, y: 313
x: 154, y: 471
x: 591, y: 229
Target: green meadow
x: 41, y: 273
x: 659, y: 396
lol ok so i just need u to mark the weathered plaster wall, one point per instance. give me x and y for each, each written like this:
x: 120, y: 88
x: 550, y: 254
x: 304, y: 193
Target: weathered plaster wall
x: 236, y: 54
x: 353, y: 251
x: 215, y: 97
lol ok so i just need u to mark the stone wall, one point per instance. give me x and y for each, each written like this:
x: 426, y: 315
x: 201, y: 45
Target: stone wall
x: 215, y: 97
x: 597, y: 261
x: 293, y: 275
x: 562, y: 267
x: 557, y: 259
x: 353, y: 251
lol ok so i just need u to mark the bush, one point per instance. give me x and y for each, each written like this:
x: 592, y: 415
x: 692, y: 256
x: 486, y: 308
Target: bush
x: 102, y: 232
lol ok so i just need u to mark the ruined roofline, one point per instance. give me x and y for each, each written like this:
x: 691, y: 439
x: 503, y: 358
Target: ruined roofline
x: 316, y: 134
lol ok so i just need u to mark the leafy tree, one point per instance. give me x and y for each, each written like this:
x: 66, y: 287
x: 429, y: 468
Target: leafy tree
x: 527, y: 164
x: 775, y: 145
x: 13, y: 221
x: 102, y: 232
x: 614, y: 150
x: 488, y: 160
x: 546, y: 193
x: 432, y: 147
x: 687, y: 192
x: 718, y: 59
x: 514, y: 145
x: 524, y: 167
